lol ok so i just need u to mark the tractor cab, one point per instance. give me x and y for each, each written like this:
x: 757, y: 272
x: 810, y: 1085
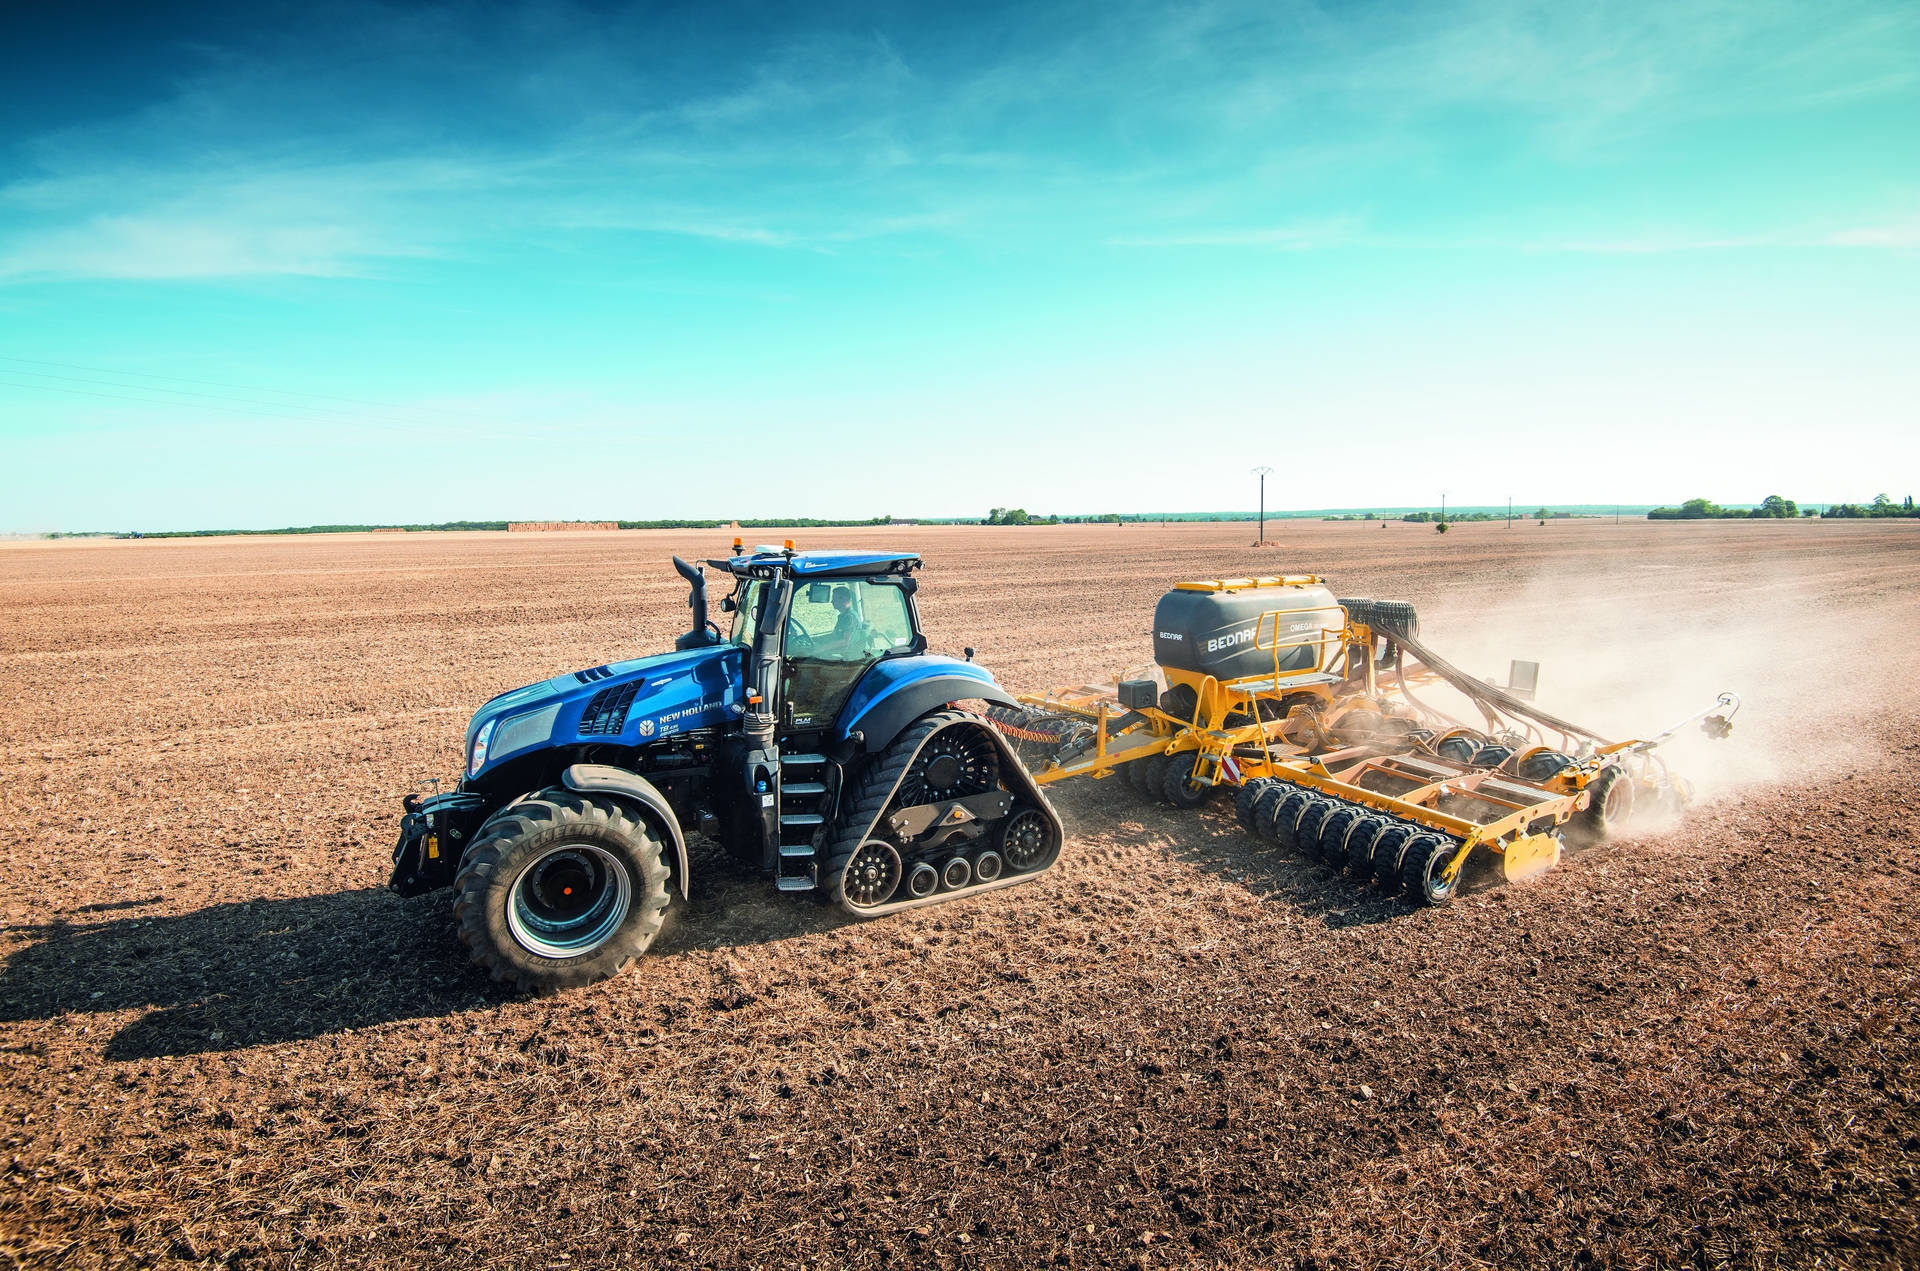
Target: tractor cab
x: 825, y: 618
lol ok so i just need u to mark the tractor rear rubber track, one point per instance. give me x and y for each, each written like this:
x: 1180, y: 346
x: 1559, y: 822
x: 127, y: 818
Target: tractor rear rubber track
x: 868, y: 854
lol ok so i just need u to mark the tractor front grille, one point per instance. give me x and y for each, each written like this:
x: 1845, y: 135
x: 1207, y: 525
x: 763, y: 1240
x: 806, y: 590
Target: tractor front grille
x: 607, y: 713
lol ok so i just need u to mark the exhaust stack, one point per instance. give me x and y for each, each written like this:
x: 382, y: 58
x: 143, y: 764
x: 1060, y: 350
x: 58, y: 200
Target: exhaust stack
x: 700, y: 636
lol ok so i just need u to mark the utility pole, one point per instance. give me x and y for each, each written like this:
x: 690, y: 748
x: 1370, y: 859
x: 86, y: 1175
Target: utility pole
x: 1443, y: 507
x: 1263, y: 473
x: 1509, y: 511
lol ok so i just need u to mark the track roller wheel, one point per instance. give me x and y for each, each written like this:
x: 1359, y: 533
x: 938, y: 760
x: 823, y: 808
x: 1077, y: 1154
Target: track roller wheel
x: 1027, y: 841
x: 1360, y: 840
x: 1386, y: 854
x: 1421, y: 866
x: 1330, y: 844
x: 1178, y: 788
x: 1249, y: 796
x: 956, y: 873
x: 922, y: 881
x: 1306, y: 831
x: 1609, y: 808
x: 873, y: 875
x: 1280, y: 821
x: 988, y: 866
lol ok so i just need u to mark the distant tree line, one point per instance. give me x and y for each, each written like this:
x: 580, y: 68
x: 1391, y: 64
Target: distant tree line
x: 1881, y: 506
x: 1777, y: 507
x: 752, y: 523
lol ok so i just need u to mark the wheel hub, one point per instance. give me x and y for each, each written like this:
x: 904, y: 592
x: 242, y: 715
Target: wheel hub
x: 943, y: 772
x: 569, y: 902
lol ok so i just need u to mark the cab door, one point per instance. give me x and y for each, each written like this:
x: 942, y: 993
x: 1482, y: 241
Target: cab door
x: 836, y: 630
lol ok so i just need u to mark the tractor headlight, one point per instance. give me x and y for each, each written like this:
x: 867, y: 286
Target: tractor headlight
x: 516, y: 732
x: 477, y: 756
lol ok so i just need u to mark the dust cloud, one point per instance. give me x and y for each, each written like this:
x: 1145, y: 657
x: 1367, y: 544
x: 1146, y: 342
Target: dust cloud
x: 1628, y: 658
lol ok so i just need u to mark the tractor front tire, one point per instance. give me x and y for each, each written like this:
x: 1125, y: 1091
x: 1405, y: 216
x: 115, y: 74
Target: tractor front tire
x: 560, y: 890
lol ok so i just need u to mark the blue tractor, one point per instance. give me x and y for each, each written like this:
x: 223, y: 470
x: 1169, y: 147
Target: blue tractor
x: 817, y: 739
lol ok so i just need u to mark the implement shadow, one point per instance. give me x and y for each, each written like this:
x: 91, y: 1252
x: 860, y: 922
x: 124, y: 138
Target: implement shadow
x: 1212, y: 841
x: 258, y: 972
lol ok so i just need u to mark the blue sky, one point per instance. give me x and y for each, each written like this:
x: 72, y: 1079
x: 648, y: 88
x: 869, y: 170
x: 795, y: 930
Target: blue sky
x: 265, y: 265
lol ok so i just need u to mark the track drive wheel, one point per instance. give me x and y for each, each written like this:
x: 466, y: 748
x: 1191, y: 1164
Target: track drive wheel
x: 559, y: 890
x: 1178, y: 787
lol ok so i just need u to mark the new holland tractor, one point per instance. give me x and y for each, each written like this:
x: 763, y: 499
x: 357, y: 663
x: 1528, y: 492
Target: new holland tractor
x: 816, y: 738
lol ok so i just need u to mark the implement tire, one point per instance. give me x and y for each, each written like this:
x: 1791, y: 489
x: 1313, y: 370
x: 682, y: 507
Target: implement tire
x: 1177, y: 786
x: 560, y: 890
x: 1146, y: 776
x: 1610, y: 799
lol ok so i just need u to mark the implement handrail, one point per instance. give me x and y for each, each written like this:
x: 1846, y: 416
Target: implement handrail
x: 1322, y: 638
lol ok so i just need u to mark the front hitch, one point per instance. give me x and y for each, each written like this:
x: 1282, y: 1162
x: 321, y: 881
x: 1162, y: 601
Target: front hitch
x: 434, y: 831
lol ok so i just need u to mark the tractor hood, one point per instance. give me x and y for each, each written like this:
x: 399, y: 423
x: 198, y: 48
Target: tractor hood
x: 622, y: 703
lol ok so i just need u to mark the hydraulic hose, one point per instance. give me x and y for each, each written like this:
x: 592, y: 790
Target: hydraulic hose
x: 1482, y: 692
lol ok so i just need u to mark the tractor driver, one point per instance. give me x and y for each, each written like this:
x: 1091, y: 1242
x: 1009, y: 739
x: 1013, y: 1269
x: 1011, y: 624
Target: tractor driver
x: 846, y: 638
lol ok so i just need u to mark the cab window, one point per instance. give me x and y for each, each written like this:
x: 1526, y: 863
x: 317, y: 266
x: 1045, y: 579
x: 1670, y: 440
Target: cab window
x: 747, y: 615
x: 849, y: 620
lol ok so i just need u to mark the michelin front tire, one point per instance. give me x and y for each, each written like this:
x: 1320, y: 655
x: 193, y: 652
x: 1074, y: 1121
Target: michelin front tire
x: 560, y: 890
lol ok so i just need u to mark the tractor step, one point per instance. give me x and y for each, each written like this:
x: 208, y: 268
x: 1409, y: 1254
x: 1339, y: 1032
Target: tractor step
x: 801, y: 820
x: 802, y: 761
x: 795, y: 882
x: 796, y: 851
x: 802, y: 789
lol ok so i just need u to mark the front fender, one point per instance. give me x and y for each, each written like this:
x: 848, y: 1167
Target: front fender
x: 600, y: 778
x: 894, y: 694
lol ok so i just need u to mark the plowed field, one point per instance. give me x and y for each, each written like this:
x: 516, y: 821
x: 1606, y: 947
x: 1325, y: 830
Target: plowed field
x: 222, y: 1042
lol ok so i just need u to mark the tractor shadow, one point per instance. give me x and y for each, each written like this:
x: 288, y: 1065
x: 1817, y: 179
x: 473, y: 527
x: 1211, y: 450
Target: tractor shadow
x: 259, y: 972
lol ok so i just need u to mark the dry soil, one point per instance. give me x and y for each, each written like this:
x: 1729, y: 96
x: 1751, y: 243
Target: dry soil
x: 223, y: 1043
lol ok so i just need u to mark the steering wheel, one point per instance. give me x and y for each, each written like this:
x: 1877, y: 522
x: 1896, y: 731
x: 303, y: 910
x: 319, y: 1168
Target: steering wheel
x: 798, y: 630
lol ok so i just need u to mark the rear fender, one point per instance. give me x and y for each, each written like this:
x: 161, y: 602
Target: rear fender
x: 631, y: 787
x: 895, y: 693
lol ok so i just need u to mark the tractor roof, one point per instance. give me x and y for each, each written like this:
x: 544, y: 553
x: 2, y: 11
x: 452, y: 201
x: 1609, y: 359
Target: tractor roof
x: 819, y: 564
